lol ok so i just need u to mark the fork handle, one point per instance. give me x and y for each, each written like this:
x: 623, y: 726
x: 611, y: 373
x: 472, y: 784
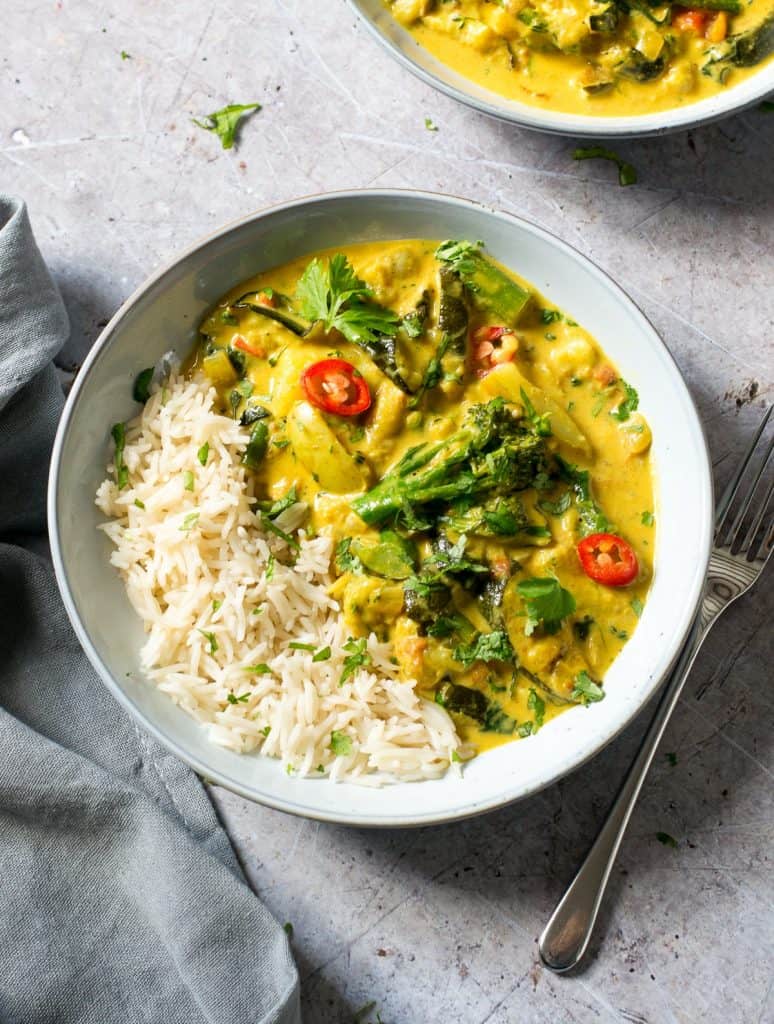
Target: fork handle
x: 566, y: 936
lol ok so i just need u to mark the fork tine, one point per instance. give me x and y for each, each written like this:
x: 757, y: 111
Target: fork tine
x: 750, y: 493
x: 753, y: 548
x: 730, y: 492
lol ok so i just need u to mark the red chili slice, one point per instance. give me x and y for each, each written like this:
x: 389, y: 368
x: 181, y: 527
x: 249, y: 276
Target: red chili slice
x: 608, y: 559
x: 240, y: 342
x: 334, y: 385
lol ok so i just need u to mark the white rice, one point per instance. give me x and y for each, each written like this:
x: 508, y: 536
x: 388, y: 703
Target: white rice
x: 216, y: 594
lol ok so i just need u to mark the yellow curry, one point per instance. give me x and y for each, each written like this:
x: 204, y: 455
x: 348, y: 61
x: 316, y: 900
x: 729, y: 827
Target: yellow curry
x: 480, y: 464
x: 605, y: 57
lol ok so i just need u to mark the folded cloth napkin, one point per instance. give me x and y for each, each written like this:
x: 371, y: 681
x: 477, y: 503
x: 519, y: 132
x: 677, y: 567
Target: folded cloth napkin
x: 121, y: 899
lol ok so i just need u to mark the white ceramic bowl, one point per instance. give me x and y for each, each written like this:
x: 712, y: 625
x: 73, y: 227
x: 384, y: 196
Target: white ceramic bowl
x: 402, y: 45
x: 164, y: 313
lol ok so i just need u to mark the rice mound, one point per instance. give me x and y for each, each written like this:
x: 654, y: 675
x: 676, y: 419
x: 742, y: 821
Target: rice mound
x: 217, y: 594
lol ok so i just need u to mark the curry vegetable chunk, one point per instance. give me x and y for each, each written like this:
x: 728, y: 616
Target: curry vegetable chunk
x: 482, y: 468
x: 606, y: 57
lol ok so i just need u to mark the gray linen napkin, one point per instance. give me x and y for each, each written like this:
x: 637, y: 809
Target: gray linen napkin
x: 121, y: 899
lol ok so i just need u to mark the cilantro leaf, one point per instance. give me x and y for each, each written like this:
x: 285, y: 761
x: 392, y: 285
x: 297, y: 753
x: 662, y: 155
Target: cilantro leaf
x: 188, y: 480
x: 224, y: 122
x: 142, y: 383
x: 546, y: 601
x: 357, y: 657
x: 586, y: 690
x: 345, y: 559
x: 627, y: 405
x: 118, y: 433
x: 627, y: 174
x: 204, y: 453
x: 211, y: 639
x: 540, y: 424
x: 494, y: 646
x: 334, y: 295
x: 243, y: 698
x: 666, y: 839
x: 537, y: 705
x: 341, y: 744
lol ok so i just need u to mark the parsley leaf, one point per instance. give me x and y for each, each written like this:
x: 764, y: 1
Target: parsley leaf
x: 335, y: 296
x: 547, y: 601
x: 357, y: 656
x: 627, y: 405
x: 341, y: 744
x: 118, y: 434
x: 627, y: 175
x: 224, y: 122
x: 666, y: 839
x: 493, y: 646
x: 586, y: 690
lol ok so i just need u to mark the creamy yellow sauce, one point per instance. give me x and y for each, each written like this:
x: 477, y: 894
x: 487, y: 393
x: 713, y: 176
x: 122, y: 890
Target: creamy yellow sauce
x: 546, y: 54
x: 330, y: 459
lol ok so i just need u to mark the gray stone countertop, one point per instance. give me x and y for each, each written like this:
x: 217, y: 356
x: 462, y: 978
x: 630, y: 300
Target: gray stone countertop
x: 441, y: 924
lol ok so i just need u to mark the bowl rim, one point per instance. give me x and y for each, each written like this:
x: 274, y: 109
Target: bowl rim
x: 471, y: 807
x: 582, y: 126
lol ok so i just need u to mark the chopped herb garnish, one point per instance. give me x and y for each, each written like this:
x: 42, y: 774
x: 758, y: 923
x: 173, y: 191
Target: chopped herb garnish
x: 273, y: 528
x: 204, y: 453
x: 582, y: 627
x: 296, y: 646
x: 341, y: 744
x: 540, y: 424
x: 266, y: 730
x: 276, y: 508
x: 270, y: 567
x: 345, y: 560
x: 455, y: 757
x: 216, y: 604
x: 525, y: 729
x: 637, y: 606
x: 243, y: 698
x: 537, y: 705
x: 556, y: 508
x: 224, y: 122
x: 261, y: 669
x: 666, y: 839
x: 288, y: 928
x: 493, y: 646
x: 672, y: 758
x: 546, y: 601
x: 211, y: 639
x: 586, y: 690
x: 627, y: 175
x: 550, y: 316
x: 620, y: 633
x: 142, y: 383
x: 188, y: 480
x: 357, y: 656
x: 647, y: 518
x: 429, y: 125
x: 274, y: 358
x: 118, y: 434
x: 190, y: 521
x: 629, y: 403
x: 322, y: 655
x: 139, y: 504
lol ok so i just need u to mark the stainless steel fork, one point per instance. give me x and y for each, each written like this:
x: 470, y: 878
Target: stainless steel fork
x: 742, y: 546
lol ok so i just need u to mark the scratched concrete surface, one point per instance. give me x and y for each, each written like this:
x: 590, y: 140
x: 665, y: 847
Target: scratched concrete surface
x: 441, y: 924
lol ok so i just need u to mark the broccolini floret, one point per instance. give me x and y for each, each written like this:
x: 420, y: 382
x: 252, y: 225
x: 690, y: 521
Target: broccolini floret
x: 492, y: 454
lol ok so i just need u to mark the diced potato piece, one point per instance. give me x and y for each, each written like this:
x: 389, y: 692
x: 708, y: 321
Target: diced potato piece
x: 650, y: 44
x: 480, y: 36
x: 409, y: 11
x: 387, y: 416
x: 218, y: 368
x: 507, y: 382
x: 636, y: 434
x: 318, y: 448
x: 503, y: 23
x: 572, y: 358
